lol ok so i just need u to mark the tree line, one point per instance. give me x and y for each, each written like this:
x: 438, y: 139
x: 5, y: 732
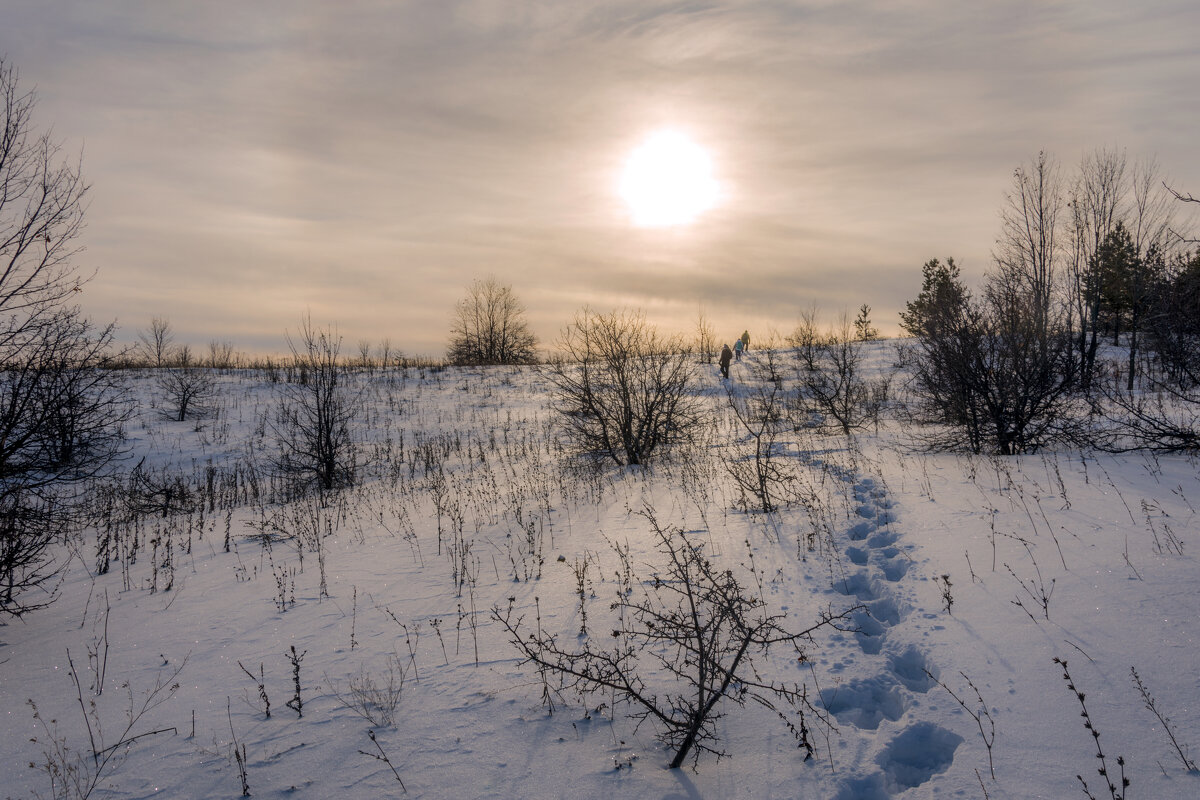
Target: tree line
x: 1018, y: 364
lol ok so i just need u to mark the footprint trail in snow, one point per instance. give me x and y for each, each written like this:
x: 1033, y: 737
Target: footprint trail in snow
x: 879, y: 700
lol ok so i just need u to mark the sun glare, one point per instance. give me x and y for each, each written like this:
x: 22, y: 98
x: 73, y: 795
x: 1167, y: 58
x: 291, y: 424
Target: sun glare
x: 668, y: 181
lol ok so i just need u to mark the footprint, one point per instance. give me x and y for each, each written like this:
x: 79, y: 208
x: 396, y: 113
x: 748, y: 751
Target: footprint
x: 917, y: 754
x: 882, y: 538
x: 865, y: 703
x: 860, y: 531
x: 869, y: 788
x: 887, y: 610
x: 857, y: 556
x: 893, y: 568
x: 909, y: 667
x: 861, y: 585
x: 870, y: 633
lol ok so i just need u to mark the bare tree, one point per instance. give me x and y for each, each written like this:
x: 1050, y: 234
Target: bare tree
x: 384, y: 352
x: 181, y: 356
x: 706, y: 340
x: 41, y: 214
x: 768, y: 358
x: 489, y: 327
x: 1173, y: 323
x: 1152, y: 210
x: 1097, y: 205
x: 187, y: 389
x: 155, y: 342
x: 990, y: 375
x: 995, y: 378
x: 1151, y: 220
x: 60, y: 415
x: 1122, y: 222
x: 221, y: 354
x: 619, y: 389
x: 699, y: 628
x: 831, y: 380
x: 1183, y: 198
x: 1028, y: 251
x: 805, y: 338
x: 364, y: 355
x: 312, y: 424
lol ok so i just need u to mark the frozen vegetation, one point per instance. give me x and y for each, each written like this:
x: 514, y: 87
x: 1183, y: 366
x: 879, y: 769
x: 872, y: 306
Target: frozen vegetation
x: 995, y: 627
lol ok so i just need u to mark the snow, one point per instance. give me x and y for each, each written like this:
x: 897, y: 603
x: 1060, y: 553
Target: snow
x: 1085, y: 557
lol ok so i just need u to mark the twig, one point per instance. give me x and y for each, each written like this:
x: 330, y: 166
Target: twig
x: 1090, y: 726
x: 87, y: 720
x: 382, y: 756
x: 239, y: 751
x: 989, y: 735
x: 132, y: 739
x: 1148, y: 699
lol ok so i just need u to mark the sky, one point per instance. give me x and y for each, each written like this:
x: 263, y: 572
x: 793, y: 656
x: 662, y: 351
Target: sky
x: 365, y: 161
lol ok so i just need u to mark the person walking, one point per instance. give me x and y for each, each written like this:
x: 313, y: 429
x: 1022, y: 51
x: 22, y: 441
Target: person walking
x: 737, y: 348
x: 726, y: 355
x: 745, y: 340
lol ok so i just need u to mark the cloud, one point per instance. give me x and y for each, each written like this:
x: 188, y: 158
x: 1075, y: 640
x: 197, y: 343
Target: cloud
x: 369, y: 160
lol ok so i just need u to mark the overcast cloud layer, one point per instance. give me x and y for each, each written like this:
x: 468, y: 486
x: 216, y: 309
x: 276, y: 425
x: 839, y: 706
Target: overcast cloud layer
x: 368, y: 160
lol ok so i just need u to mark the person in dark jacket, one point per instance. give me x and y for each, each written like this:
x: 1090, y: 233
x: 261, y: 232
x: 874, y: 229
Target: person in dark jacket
x: 726, y: 356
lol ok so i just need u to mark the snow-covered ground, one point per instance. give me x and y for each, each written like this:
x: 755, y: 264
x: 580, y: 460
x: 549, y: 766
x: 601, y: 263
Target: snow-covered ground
x: 976, y: 572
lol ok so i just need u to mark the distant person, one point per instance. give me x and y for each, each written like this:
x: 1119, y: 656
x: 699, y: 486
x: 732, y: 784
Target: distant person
x: 737, y: 348
x: 745, y: 340
x: 726, y: 354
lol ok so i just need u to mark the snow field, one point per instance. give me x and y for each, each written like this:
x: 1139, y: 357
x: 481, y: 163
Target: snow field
x: 467, y: 497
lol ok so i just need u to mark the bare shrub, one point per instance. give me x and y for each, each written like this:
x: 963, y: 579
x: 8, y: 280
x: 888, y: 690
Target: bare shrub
x: 991, y: 376
x: 221, y: 354
x: 830, y: 375
x: 74, y: 775
x: 373, y: 697
x: 621, y: 390
x: 1164, y: 419
x: 702, y: 629
x: 61, y: 424
x: 187, y: 388
x: 755, y: 463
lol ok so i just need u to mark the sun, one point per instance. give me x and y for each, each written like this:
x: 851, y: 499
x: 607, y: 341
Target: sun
x: 668, y: 181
